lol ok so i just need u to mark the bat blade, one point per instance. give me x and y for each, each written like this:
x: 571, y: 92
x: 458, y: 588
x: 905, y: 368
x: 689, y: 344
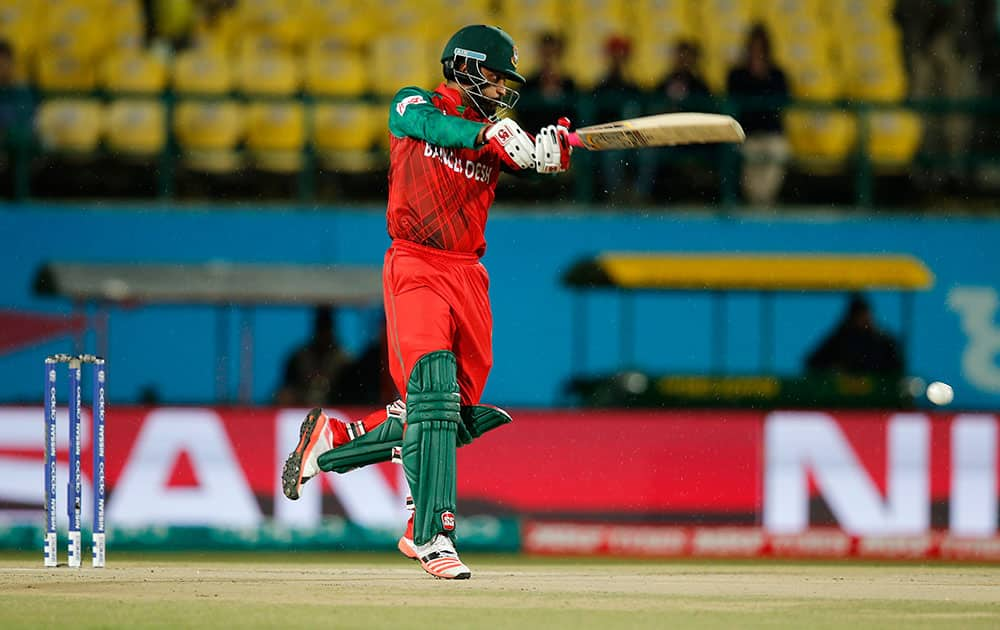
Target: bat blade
x: 658, y: 131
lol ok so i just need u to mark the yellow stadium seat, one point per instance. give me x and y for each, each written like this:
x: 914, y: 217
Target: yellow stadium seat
x: 202, y: 71
x: 349, y: 22
x: 778, y: 12
x: 276, y: 19
x: 583, y: 12
x: 133, y: 71
x: 347, y: 126
x: 802, y: 42
x: 276, y: 135
x: 220, y: 34
x: 456, y: 16
x: 814, y: 82
x: 882, y: 84
x: 820, y: 140
x: 209, y: 132
x: 406, y: 16
x: 893, y: 137
x: 860, y: 11
x: 397, y: 62
x: 136, y: 127
x: 275, y: 74
x: 525, y: 19
x: 72, y: 29
x: 58, y: 72
x: 69, y: 125
x: 725, y: 15
x: 342, y: 73
x: 883, y: 50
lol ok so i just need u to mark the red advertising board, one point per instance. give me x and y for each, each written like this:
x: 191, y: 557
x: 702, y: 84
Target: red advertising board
x: 867, y: 476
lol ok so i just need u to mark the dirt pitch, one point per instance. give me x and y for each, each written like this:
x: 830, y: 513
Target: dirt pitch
x: 380, y: 591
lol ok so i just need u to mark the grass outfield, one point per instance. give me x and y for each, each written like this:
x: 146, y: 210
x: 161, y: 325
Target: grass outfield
x: 383, y: 591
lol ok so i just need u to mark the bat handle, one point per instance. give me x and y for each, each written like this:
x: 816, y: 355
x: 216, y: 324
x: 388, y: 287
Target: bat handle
x: 574, y: 140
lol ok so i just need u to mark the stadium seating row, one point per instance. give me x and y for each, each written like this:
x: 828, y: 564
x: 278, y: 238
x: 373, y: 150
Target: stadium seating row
x: 831, y: 49
x: 210, y: 133
x: 343, y: 134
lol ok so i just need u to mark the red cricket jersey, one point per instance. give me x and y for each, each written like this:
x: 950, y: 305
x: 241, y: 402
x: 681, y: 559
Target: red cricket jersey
x: 440, y: 185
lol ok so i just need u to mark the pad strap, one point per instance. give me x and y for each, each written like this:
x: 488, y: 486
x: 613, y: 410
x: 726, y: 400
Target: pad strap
x: 478, y: 419
x: 370, y: 448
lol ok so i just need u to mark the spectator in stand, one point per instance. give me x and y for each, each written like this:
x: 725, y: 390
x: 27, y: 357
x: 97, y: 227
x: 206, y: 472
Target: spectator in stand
x: 315, y: 374
x: 762, y: 87
x: 683, y: 89
x: 857, y: 345
x: 616, y: 97
x: 549, y: 93
x: 684, y: 81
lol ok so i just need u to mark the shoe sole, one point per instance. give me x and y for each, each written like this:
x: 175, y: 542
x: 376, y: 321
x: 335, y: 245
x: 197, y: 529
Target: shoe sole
x: 291, y: 474
x: 461, y: 576
x: 406, y: 548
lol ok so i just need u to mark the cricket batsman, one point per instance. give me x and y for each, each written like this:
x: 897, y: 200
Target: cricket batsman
x: 447, y: 148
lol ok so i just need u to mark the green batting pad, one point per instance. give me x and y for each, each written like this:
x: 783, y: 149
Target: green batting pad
x: 432, y: 418
x: 376, y: 446
x: 371, y: 448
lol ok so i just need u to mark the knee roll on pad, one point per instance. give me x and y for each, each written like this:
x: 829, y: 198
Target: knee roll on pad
x: 432, y: 418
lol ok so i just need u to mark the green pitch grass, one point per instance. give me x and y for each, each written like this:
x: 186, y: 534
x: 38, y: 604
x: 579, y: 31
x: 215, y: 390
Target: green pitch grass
x: 333, y: 590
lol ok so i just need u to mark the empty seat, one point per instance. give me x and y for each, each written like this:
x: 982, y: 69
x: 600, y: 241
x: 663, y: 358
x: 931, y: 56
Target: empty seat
x: 399, y: 61
x: 335, y: 73
x: 69, y: 125
x: 345, y: 133
x: 276, y: 135
x: 136, y: 127
x: 876, y: 83
x: 202, y: 71
x: 72, y: 29
x: 814, y: 82
x: 275, y: 74
x: 350, y: 22
x: 282, y: 21
x: 133, y: 71
x: 893, y: 137
x: 209, y: 132
x: 820, y: 140
x: 64, y: 72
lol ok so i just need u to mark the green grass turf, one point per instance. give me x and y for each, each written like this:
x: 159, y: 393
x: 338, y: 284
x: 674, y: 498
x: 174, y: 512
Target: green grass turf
x: 338, y: 590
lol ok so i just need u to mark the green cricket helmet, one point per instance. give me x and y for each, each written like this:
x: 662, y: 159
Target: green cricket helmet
x: 481, y: 46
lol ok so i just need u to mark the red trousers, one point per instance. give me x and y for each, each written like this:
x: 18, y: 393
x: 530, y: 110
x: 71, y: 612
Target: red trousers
x: 437, y: 300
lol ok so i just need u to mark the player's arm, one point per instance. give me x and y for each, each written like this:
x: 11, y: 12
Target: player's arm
x: 413, y: 115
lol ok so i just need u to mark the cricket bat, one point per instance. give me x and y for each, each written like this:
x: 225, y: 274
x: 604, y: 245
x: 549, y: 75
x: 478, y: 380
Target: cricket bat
x: 658, y: 131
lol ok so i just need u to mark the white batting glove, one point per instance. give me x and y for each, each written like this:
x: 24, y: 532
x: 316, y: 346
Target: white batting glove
x: 513, y: 142
x: 552, y: 149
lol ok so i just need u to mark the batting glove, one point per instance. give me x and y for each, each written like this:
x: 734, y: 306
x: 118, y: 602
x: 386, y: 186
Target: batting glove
x: 515, y: 146
x: 552, y: 148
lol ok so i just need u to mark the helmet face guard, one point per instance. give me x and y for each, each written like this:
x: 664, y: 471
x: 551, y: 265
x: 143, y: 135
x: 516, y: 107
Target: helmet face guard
x: 468, y: 73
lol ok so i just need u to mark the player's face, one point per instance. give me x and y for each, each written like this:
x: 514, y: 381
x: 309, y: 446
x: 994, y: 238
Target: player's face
x: 496, y: 88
